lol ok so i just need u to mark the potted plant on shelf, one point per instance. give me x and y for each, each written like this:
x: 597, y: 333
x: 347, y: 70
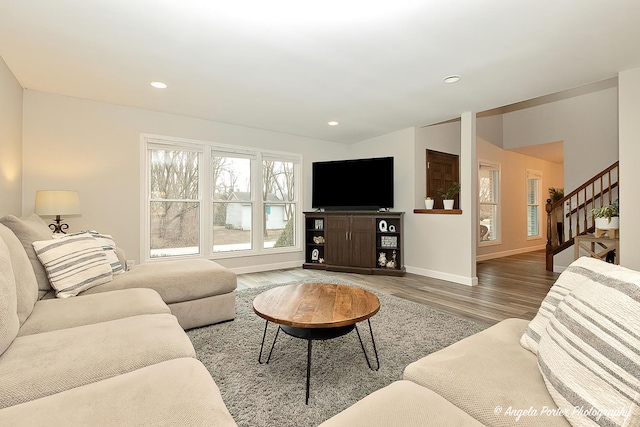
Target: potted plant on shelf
x: 428, y: 202
x: 607, y: 217
x: 449, y: 194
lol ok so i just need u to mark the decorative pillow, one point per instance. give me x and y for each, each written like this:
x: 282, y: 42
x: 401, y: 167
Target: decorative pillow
x: 109, y: 247
x: 28, y: 230
x: 74, y: 263
x: 26, y: 283
x: 9, y: 322
x: 589, y: 354
x: 577, y: 273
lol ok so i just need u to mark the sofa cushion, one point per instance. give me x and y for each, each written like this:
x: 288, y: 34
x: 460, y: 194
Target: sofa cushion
x: 572, y: 277
x: 28, y: 230
x: 9, y: 322
x: 176, y: 280
x: 26, y: 284
x: 402, y: 403
x: 491, y: 377
x: 589, y: 354
x: 177, y: 392
x: 73, y: 263
x: 61, y: 313
x: 40, y: 365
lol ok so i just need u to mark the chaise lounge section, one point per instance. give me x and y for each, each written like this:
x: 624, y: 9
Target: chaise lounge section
x: 198, y: 292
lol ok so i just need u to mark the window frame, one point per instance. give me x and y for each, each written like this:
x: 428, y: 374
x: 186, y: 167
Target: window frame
x: 149, y: 142
x: 497, y: 168
x: 534, y: 175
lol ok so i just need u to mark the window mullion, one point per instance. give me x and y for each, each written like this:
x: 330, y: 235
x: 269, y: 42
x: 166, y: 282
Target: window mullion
x: 257, y: 193
x: 206, y: 205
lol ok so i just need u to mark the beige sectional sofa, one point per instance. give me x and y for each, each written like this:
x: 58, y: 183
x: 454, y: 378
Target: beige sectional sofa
x: 198, y: 292
x: 576, y: 363
x: 117, y: 357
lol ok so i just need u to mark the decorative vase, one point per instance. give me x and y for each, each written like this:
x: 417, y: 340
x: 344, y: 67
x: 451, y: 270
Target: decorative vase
x: 428, y: 204
x: 604, y: 224
x: 448, y: 204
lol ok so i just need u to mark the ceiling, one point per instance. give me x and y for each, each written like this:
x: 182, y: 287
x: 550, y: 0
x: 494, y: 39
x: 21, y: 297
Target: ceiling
x: 292, y: 66
x: 551, y: 151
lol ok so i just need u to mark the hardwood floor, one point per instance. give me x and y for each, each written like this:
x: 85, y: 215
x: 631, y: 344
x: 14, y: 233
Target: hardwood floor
x: 507, y: 287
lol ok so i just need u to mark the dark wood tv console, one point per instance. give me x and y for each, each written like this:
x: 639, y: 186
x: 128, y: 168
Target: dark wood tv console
x: 355, y: 242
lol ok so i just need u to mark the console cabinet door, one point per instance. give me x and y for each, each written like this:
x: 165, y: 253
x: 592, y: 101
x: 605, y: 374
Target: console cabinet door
x: 350, y: 241
x: 337, y: 248
x: 362, y: 239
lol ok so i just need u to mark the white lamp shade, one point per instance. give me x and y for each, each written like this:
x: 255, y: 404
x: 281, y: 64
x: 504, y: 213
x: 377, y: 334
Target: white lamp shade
x: 57, y: 203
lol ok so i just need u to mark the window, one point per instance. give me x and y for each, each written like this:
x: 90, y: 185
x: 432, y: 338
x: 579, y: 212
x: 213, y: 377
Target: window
x: 174, y: 202
x: 489, y: 199
x: 534, y: 180
x: 218, y: 201
x: 279, y: 207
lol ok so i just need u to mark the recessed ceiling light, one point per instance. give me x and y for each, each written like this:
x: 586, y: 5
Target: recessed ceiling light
x: 452, y: 79
x: 333, y: 123
x: 159, y: 85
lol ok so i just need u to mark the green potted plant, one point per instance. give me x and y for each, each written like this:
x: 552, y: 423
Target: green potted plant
x: 556, y: 194
x: 428, y: 202
x: 607, y: 217
x: 449, y: 194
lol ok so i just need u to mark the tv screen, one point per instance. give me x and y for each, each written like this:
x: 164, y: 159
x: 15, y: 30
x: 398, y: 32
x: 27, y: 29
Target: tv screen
x: 360, y: 184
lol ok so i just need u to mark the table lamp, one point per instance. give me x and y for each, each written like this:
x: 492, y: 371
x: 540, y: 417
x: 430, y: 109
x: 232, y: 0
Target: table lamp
x: 56, y: 203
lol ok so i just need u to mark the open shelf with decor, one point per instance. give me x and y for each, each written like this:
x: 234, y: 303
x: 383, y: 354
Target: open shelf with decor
x: 314, y: 241
x: 389, y: 245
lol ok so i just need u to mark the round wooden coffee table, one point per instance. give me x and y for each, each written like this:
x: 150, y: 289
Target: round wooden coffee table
x: 316, y: 311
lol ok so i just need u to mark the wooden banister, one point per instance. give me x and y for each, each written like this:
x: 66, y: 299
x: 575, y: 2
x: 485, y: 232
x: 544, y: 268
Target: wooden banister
x: 572, y: 213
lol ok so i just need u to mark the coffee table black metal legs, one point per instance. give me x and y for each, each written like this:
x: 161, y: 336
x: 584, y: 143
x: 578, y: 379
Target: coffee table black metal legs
x: 375, y: 350
x: 311, y: 334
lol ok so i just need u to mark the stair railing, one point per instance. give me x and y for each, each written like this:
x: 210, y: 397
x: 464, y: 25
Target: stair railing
x: 571, y: 216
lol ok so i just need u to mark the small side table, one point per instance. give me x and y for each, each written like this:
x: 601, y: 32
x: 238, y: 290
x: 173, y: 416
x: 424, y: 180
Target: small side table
x: 597, y: 247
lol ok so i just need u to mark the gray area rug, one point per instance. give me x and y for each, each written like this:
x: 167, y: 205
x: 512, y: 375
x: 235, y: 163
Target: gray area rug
x: 274, y: 394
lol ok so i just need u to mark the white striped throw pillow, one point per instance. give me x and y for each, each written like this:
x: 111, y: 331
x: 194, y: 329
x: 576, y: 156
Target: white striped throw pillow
x: 589, y: 354
x: 73, y: 263
x: 572, y: 277
x: 109, y: 248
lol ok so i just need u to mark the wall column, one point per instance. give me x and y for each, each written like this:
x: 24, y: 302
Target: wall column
x: 468, y: 192
x: 629, y: 155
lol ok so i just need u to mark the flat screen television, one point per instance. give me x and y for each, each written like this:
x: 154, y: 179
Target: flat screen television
x: 360, y: 184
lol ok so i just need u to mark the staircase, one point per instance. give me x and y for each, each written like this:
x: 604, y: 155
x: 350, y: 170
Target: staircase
x: 571, y: 216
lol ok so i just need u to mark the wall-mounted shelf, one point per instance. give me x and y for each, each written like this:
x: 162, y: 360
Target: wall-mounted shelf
x: 438, y: 211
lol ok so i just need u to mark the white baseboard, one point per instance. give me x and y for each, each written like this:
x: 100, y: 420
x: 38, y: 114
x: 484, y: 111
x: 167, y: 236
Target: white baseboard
x: 509, y: 253
x: 559, y: 268
x: 462, y: 280
x: 266, y: 267
x: 468, y: 281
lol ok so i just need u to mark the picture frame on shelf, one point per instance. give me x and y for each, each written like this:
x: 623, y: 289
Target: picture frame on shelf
x: 318, y: 224
x: 389, y: 241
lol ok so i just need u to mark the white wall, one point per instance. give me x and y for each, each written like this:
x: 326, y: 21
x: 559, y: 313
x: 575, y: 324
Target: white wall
x: 588, y: 125
x: 513, y: 169
x: 94, y: 147
x: 10, y: 143
x: 443, y: 246
x: 629, y: 105
x: 400, y: 146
